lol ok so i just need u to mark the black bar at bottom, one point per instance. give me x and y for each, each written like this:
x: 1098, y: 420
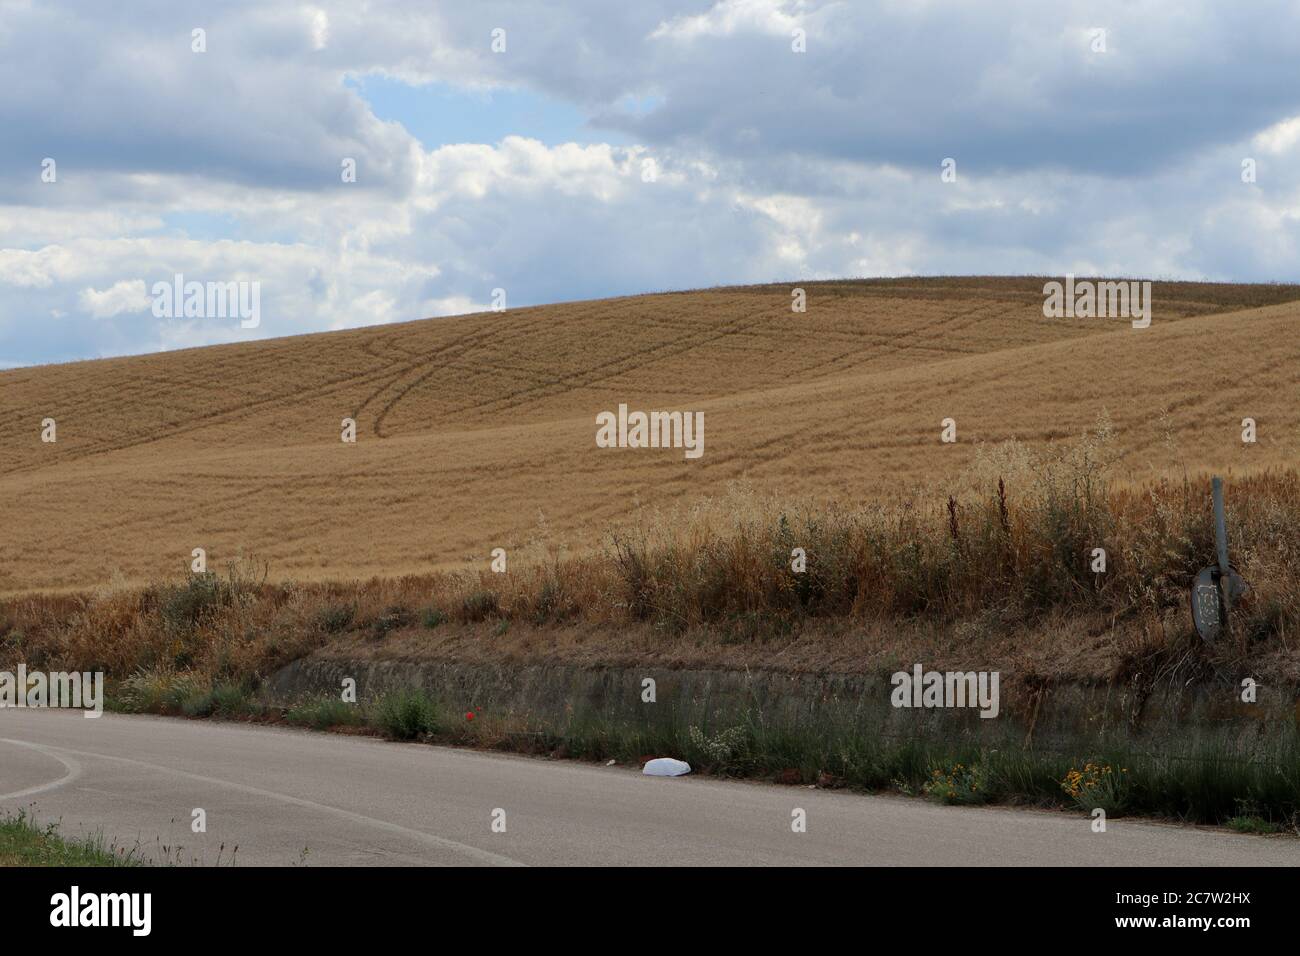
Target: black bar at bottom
x: 331, y: 906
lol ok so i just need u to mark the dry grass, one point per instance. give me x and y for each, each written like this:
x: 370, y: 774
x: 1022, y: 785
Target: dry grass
x: 477, y: 431
x: 986, y: 568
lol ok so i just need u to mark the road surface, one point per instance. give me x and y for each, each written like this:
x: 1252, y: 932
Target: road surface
x: 287, y: 797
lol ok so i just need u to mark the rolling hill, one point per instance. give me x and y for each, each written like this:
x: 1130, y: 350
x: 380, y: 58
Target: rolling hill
x: 478, y: 431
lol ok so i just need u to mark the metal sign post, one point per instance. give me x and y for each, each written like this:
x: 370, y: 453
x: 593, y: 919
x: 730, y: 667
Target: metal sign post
x: 1215, y: 588
x: 1221, y: 543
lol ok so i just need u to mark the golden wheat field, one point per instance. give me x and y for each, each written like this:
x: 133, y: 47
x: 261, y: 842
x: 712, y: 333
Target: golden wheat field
x: 477, y: 432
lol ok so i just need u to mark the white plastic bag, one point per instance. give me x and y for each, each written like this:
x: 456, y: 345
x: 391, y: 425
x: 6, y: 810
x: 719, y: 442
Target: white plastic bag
x: 666, y: 767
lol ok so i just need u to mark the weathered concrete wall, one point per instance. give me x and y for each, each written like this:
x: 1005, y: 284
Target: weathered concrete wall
x: 550, y: 693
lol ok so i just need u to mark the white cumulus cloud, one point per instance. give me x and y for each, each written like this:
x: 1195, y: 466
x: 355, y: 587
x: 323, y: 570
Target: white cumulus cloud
x: 126, y: 296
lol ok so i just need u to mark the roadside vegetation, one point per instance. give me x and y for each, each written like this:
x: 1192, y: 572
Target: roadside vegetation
x: 1203, y: 780
x: 24, y: 843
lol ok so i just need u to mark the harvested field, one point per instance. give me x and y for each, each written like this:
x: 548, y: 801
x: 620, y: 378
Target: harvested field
x: 477, y: 432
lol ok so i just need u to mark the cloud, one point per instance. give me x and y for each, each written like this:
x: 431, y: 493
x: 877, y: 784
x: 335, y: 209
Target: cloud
x: 105, y: 93
x: 1280, y: 137
x: 768, y: 17
x: 750, y: 162
x: 320, y: 27
x: 125, y: 296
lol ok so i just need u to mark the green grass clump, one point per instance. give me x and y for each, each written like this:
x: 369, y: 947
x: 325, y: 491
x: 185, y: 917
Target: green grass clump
x: 322, y: 713
x: 1250, y: 824
x: 183, y: 606
x: 1098, y: 785
x: 959, y: 784
x: 406, y: 715
x: 156, y: 692
x: 24, y: 843
x: 221, y: 700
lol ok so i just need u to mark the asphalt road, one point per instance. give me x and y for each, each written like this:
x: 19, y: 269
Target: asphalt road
x: 287, y: 797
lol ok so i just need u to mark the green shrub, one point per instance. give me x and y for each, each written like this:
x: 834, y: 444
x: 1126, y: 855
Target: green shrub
x: 1248, y: 824
x: 406, y: 714
x: 222, y: 700
x: 183, y: 606
x: 552, y: 603
x: 156, y: 691
x: 479, y: 605
x: 393, y: 618
x: 958, y: 783
x: 725, y: 750
x: 321, y: 713
x: 335, y: 618
x: 1098, y: 784
x: 432, y: 617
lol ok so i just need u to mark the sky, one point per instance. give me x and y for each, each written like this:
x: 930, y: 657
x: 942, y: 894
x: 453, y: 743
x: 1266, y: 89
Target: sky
x: 520, y: 153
